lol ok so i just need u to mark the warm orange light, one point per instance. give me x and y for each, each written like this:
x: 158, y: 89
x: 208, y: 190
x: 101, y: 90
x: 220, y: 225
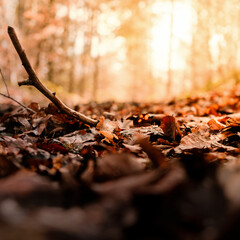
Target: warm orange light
x: 146, y: 117
x: 182, y: 28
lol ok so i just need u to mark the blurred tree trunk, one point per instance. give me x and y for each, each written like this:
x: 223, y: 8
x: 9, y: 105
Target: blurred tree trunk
x: 95, y: 56
x: 38, y: 56
x: 136, y: 30
x: 51, y: 45
x: 192, y: 62
x: 95, y: 78
x: 201, y: 58
x: 169, y: 80
x: 194, y: 49
x: 87, y: 46
x: 82, y: 82
x: 20, y: 10
x: 71, y: 85
x: 69, y: 37
x: 50, y: 73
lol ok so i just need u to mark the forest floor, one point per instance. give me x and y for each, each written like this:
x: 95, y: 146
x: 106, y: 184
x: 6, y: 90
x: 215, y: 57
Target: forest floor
x: 146, y: 171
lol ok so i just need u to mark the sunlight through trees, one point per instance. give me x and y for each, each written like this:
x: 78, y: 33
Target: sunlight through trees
x: 136, y: 50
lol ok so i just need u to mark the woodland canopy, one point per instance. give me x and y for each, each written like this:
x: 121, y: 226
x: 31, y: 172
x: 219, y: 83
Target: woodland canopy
x: 136, y: 50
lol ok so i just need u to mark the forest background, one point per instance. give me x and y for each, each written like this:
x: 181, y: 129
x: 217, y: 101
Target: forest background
x: 135, y: 50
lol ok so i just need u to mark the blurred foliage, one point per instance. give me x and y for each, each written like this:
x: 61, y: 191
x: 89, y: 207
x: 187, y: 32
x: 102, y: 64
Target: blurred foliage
x: 124, y: 50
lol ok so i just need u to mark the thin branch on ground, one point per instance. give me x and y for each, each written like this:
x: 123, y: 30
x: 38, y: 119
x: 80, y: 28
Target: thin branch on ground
x: 16, y: 101
x: 33, y: 80
x: 11, y: 98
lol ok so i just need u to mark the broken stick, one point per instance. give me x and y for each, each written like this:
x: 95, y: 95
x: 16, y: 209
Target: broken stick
x: 33, y: 80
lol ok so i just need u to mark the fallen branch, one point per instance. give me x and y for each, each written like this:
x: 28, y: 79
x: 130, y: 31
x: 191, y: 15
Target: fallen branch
x: 16, y: 101
x: 13, y: 99
x: 33, y: 80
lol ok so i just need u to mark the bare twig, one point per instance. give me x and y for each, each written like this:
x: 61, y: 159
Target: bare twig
x: 13, y: 99
x: 33, y: 80
x: 21, y: 104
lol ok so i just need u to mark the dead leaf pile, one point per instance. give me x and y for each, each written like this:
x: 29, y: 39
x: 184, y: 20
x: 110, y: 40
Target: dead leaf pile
x: 146, y: 171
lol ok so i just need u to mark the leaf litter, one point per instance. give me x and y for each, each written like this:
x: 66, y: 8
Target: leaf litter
x: 146, y: 171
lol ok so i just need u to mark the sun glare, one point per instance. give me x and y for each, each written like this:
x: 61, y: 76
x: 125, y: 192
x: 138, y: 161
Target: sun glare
x: 182, y: 16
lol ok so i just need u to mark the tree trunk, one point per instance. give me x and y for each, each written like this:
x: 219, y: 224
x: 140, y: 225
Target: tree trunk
x: 95, y: 78
x: 169, y: 81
